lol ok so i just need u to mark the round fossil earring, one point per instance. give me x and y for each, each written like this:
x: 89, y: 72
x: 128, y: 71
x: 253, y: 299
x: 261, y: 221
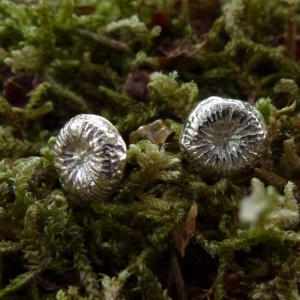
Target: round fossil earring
x: 90, y: 156
x: 224, y: 135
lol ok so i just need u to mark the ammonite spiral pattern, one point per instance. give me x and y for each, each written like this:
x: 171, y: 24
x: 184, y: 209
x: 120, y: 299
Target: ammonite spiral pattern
x: 224, y: 135
x: 90, y: 156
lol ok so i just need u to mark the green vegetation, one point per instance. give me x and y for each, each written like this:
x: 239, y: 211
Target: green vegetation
x: 169, y: 231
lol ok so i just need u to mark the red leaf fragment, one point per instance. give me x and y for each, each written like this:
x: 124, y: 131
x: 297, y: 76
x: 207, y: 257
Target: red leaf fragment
x: 16, y: 89
x: 136, y: 85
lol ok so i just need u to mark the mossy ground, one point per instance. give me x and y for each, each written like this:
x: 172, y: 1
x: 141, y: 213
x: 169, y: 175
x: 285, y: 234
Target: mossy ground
x: 169, y: 231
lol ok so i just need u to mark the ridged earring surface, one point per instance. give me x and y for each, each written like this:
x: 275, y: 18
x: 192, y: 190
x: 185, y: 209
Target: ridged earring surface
x: 90, y: 156
x: 224, y: 135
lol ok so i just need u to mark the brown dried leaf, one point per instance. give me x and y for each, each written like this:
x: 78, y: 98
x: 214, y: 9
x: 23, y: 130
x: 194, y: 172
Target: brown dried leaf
x: 156, y: 132
x: 183, y: 231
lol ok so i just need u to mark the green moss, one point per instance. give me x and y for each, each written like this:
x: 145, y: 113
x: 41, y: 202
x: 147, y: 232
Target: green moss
x: 62, y: 58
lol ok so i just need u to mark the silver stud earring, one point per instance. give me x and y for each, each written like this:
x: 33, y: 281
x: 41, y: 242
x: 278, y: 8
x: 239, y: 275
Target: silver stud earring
x: 224, y: 135
x: 90, y: 156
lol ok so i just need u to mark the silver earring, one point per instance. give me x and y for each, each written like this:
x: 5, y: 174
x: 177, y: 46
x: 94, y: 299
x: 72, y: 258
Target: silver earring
x: 224, y: 135
x: 90, y: 156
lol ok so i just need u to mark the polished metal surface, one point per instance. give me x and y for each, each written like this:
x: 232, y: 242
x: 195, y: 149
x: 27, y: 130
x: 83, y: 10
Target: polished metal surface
x: 224, y: 135
x: 90, y: 156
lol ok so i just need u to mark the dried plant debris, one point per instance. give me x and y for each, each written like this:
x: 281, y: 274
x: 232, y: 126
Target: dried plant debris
x: 168, y: 229
x: 183, y: 231
x: 156, y: 132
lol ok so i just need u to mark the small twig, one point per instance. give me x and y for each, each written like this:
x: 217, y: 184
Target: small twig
x: 251, y: 96
x: 271, y: 178
x: 179, y: 282
x: 120, y: 46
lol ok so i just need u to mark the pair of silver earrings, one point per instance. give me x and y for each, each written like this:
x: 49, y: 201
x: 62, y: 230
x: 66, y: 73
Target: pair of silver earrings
x: 221, y: 134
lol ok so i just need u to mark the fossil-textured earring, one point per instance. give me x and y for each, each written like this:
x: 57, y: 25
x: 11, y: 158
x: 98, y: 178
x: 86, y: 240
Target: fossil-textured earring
x: 90, y: 156
x: 224, y: 135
